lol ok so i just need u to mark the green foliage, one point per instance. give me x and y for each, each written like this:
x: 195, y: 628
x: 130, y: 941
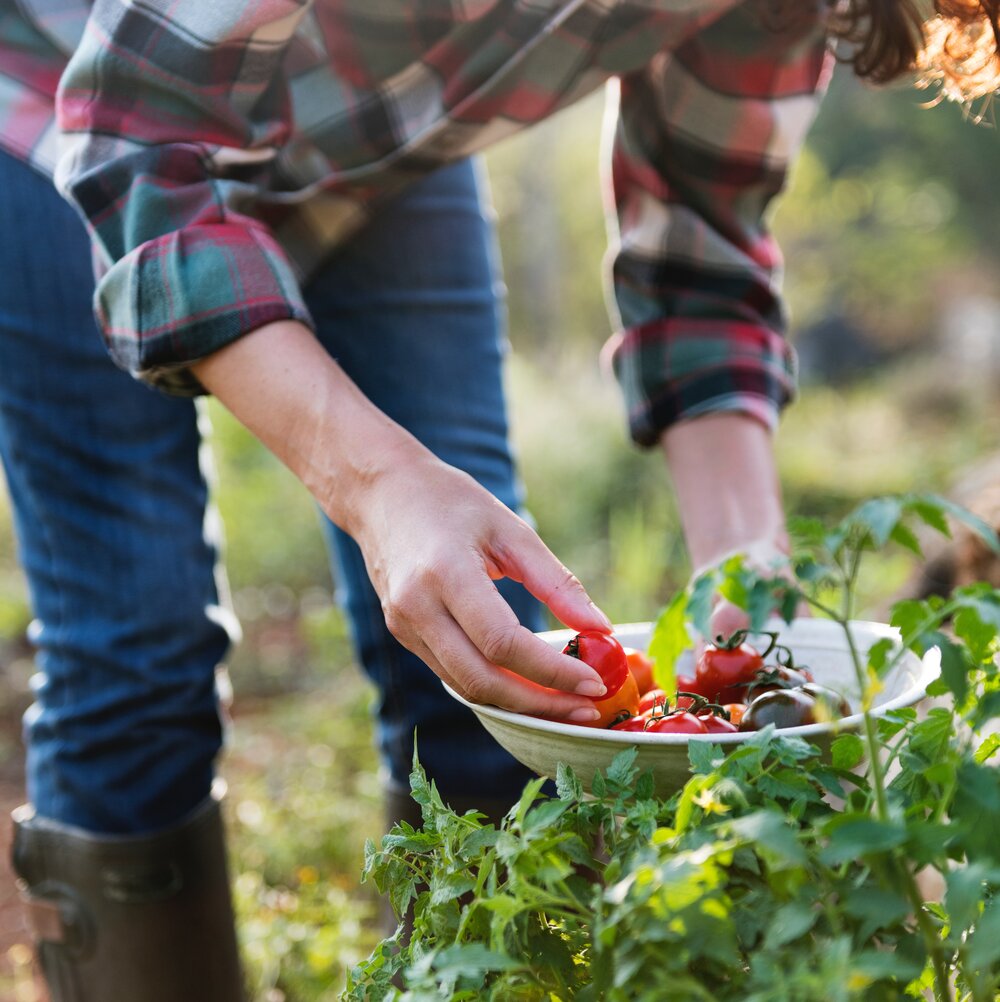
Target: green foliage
x: 776, y: 873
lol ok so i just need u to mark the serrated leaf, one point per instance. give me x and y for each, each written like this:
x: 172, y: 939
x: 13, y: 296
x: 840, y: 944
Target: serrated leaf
x: 982, y: 529
x: 703, y: 756
x: 847, y: 751
x: 568, y: 785
x: 544, y: 814
x: 908, y: 617
x: 622, y: 768
x: 878, y: 517
x: 906, y: 537
x: 930, y: 512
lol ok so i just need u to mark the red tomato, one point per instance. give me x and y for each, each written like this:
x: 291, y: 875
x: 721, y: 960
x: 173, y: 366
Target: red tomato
x: 677, y: 723
x: 637, y: 723
x: 715, y: 724
x: 604, y: 654
x: 723, y: 673
x: 688, y: 683
x: 641, y: 667
x: 653, y: 698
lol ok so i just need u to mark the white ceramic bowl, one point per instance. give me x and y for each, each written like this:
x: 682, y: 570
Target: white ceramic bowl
x: 821, y: 644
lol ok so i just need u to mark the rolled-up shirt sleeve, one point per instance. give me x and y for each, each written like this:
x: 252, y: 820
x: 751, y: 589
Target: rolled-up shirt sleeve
x: 171, y: 115
x: 704, y: 139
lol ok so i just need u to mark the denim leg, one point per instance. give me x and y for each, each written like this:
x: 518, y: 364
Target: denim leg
x: 412, y: 309
x: 109, y: 507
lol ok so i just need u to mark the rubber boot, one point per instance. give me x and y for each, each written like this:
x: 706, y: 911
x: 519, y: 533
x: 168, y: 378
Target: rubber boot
x: 130, y: 918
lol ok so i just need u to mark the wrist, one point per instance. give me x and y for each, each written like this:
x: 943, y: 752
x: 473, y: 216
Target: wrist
x: 280, y: 382
x: 725, y: 476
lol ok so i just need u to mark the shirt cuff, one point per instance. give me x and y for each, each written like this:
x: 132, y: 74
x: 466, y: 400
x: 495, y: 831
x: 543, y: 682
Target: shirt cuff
x: 675, y: 370
x: 189, y: 293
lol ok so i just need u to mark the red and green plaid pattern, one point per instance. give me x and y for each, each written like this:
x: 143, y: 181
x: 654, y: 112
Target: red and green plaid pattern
x: 219, y: 151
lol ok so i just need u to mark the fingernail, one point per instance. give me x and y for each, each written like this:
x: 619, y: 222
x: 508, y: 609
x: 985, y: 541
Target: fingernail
x: 591, y: 687
x: 585, y: 713
x: 603, y: 618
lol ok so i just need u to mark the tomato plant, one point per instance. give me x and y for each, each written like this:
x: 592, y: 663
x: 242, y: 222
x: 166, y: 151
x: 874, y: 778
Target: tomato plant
x: 778, y: 873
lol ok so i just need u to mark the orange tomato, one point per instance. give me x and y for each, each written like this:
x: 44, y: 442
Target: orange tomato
x: 615, y: 706
x: 640, y: 665
x: 736, y: 711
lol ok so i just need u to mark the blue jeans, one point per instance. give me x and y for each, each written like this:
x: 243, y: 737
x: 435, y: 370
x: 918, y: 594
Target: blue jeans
x: 109, y: 503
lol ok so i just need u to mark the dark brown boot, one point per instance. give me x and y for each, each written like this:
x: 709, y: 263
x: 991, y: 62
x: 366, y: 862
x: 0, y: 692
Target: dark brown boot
x: 130, y: 918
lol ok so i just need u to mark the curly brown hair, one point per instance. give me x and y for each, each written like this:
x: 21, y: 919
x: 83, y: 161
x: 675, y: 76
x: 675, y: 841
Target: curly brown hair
x: 952, y: 44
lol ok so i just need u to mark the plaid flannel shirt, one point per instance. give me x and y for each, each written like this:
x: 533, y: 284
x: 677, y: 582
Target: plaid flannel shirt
x: 217, y: 151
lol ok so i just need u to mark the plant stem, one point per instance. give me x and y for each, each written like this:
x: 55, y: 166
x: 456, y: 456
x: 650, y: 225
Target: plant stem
x: 942, y: 988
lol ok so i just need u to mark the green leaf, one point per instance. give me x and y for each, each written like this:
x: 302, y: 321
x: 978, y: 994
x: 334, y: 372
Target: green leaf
x: 854, y: 836
x: 908, y: 616
x: 622, y: 769
x: 966, y: 888
x: 544, y: 814
x: 929, y: 510
x: 878, y: 517
x: 773, y: 837
x: 670, y: 639
x: 568, y: 785
x: 878, y: 654
x: 879, y: 965
x: 848, y: 751
x: 982, y: 529
x: 701, y: 601
x: 906, y: 537
x: 876, y: 907
x: 988, y: 748
x: 471, y: 960
x: 704, y: 756
x: 955, y: 664
x: 983, y: 944
x: 790, y: 922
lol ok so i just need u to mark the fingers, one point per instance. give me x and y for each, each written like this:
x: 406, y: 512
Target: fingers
x: 453, y: 657
x: 481, y: 613
x: 522, y: 556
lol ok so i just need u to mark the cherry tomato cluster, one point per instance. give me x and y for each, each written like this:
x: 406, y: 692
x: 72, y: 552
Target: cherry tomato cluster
x: 732, y: 689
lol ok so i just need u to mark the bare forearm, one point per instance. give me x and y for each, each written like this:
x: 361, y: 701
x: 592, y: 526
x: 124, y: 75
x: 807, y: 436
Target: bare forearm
x: 433, y: 539
x: 726, y: 480
x: 281, y: 384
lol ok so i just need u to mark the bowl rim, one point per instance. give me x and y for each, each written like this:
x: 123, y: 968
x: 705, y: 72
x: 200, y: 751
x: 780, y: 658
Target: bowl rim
x: 930, y: 669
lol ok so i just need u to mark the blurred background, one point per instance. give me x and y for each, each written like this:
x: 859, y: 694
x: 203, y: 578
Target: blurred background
x: 893, y: 279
